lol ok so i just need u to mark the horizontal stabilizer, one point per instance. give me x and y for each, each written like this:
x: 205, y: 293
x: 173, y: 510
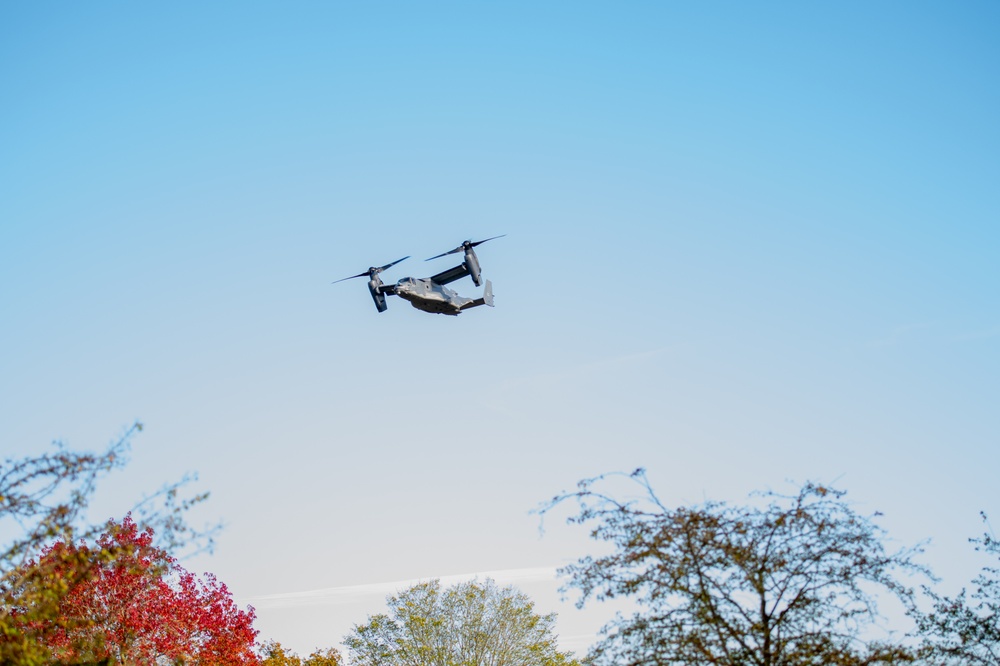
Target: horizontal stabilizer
x: 487, y: 298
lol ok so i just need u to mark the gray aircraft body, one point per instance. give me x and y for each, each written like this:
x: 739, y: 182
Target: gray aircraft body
x: 430, y: 294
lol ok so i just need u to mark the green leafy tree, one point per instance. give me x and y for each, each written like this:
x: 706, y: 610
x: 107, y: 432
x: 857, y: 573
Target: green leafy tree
x: 784, y: 584
x: 43, y: 500
x: 966, y: 629
x: 470, y: 624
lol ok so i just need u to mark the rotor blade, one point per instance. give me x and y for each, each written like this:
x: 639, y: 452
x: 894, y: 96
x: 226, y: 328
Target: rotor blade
x: 392, y: 264
x: 365, y: 274
x: 486, y: 239
x: 370, y: 270
x: 457, y: 249
x: 461, y: 247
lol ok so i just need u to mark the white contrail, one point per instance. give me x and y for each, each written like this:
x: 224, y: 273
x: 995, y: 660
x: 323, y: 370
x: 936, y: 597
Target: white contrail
x: 347, y: 594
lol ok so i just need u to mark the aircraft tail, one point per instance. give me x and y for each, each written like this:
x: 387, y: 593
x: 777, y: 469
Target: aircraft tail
x: 487, y: 298
x: 488, y: 294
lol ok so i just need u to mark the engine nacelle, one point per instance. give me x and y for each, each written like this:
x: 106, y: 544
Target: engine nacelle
x: 472, y: 265
x: 374, y: 286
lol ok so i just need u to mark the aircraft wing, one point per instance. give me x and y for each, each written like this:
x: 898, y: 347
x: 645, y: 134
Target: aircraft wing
x: 450, y: 275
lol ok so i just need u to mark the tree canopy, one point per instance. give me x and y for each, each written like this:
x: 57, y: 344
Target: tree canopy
x: 787, y: 582
x: 43, y: 501
x: 966, y: 629
x: 469, y: 624
x: 139, y: 605
x: 272, y: 653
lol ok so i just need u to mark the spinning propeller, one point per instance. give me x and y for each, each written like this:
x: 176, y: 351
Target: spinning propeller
x: 373, y: 271
x: 467, y: 245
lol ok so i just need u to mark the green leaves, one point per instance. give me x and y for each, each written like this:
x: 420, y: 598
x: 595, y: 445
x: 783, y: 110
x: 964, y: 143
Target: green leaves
x: 470, y: 624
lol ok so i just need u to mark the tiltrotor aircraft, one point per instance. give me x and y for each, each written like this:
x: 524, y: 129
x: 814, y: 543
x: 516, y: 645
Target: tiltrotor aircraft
x: 430, y: 294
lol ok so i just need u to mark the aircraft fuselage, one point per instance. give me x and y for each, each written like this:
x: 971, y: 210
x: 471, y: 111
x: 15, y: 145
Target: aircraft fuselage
x: 429, y: 297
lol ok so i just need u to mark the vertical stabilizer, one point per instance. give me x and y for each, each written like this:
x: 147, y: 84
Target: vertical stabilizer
x: 488, y: 294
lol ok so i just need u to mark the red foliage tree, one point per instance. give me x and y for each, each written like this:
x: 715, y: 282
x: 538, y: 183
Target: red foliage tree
x: 142, y: 607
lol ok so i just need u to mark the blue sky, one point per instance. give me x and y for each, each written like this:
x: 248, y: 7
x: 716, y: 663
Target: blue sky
x: 747, y: 245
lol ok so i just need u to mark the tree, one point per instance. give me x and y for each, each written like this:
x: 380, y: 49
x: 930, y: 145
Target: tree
x: 140, y: 606
x: 966, y: 629
x: 787, y: 583
x: 273, y: 654
x: 470, y: 624
x: 43, y: 500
